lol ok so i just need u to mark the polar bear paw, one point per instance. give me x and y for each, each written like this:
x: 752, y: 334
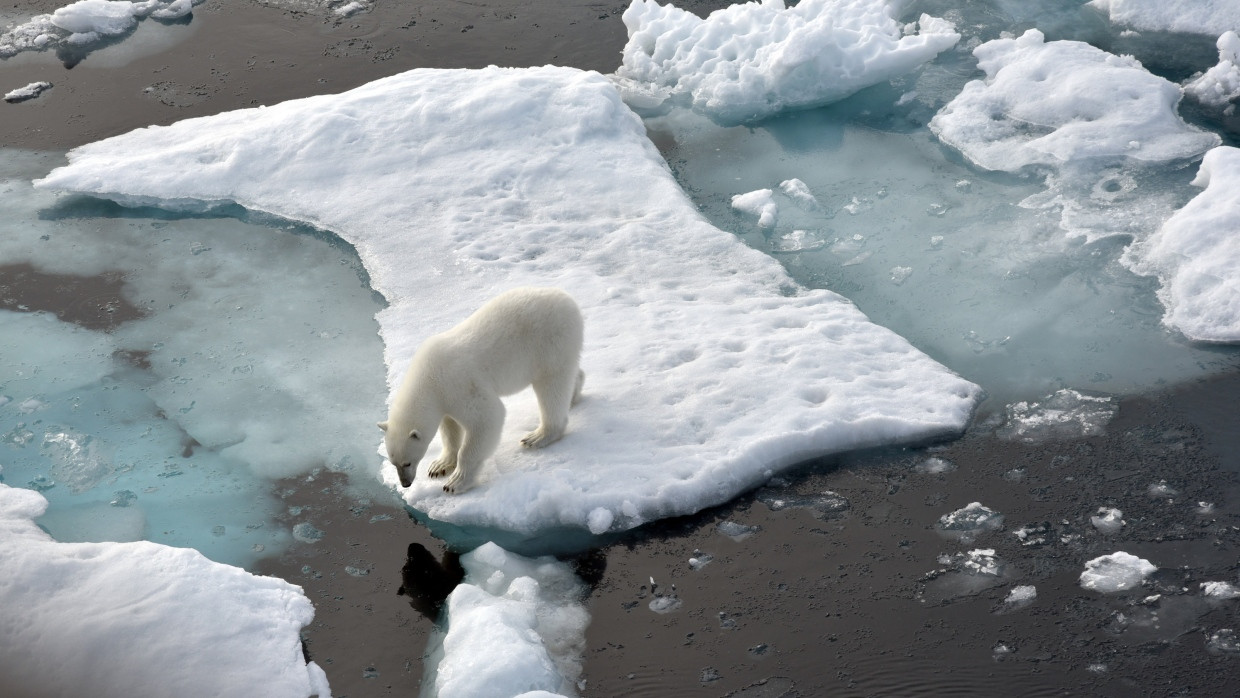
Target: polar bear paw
x: 441, y: 467
x: 456, y: 483
x: 539, y: 438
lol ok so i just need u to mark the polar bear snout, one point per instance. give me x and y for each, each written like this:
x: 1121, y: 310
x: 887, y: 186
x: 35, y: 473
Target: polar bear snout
x: 402, y: 471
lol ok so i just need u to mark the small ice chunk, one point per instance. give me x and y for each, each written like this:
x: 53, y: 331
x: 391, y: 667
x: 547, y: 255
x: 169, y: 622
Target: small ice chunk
x: 349, y: 9
x: 798, y: 241
x: 307, y: 533
x: 760, y: 203
x: 665, y: 604
x: 1019, y: 597
x: 982, y: 561
x: 700, y: 560
x: 1220, y: 590
x: 800, y: 194
x: 736, y: 531
x: 1161, y: 489
x: 934, y: 466
x: 1108, y: 521
x: 966, y: 523
x: 900, y: 274
x: 1119, y: 571
x: 30, y: 91
x: 1065, y: 414
x: 1033, y: 534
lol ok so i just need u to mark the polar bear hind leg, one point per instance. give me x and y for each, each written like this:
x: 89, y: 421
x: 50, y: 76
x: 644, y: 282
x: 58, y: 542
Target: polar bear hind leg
x: 556, y: 393
x: 451, y: 433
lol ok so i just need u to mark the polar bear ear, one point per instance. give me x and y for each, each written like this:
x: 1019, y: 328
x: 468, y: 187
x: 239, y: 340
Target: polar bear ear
x: 382, y: 425
x: 415, y: 435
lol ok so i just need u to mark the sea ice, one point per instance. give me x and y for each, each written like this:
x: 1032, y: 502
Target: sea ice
x: 1220, y: 590
x: 1051, y: 103
x: 759, y: 203
x: 1118, y: 571
x: 707, y: 367
x: 86, y: 23
x: 1108, y: 521
x: 515, y: 624
x: 1196, y: 254
x: 1019, y: 597
x: 1219, y: 86
x: 967, y: 523
x: 1193, y: 16
x: 28, y: 92
x: 1065, y: 414
x: 748, y: 61
x: 121, y: 619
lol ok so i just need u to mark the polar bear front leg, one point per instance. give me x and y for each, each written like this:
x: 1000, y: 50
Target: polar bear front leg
x: 451, y: 433
x: 479, y: 438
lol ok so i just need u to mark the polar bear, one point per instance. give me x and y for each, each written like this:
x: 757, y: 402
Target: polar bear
x: 522, y: 337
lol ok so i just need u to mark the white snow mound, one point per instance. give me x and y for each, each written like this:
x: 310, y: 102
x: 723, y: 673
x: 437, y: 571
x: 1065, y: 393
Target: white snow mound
x: 751, y: 60
x: 1196, y: 255
x: 130, y: 619
x: 1048, y: 103
x: 707, y: 368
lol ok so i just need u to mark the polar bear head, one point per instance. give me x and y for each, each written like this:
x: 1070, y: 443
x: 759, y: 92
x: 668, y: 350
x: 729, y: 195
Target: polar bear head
x: 405, y: 448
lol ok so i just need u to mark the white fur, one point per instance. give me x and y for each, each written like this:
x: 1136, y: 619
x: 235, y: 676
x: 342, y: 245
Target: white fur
x: 522, y: 337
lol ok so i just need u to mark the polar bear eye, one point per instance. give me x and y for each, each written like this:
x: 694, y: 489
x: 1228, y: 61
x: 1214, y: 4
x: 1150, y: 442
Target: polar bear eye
x: 414, y: 435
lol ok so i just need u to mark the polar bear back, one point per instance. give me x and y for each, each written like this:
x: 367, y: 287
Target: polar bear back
x: 515, y: 339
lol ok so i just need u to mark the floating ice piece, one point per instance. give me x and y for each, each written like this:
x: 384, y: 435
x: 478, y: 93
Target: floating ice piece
x: 934, y: 466
x: 700, y: 560
x: 1019, y: 597
x: 1065, y: 414
x: 1108, y: 521
x: 758, y: 203
x: 799, y: 192
x: 1049, y: 103
x: 982, y: 561
x: 1219, y: 86
x: 1196, y: 255
x: 88, y: 22
x: 707, y: 368
x: 1161, y: 489
x: 798, y: 241
x: 1190, y: 16
x: 1118, y: 571
x: 28, y: 92
x: 736, y: 531
x: 966, y: 523
x: 112, y: 619
x: 515, y: 624
x: 1220, y: 590
x: 1224, y: 641
x: 748, y: 61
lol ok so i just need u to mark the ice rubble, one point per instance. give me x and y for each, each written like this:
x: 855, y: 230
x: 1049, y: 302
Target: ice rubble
x: 707, y: 368
x: 1192, y: 16
x: 1050, y: 103
x: 1196, y: 254
x: 515, y: 625
x: 86, y: 23
x: 1219, y: 86
x: 751, y: 60
x: 125, y: 619
x: 1118, y: 571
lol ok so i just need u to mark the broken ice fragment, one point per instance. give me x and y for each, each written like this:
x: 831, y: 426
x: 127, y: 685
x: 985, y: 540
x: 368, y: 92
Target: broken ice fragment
x: 307, y: 533
x: 1108, y: 521
x: 736, y: 531
x: 965, y: 524
x: 1119, y: 571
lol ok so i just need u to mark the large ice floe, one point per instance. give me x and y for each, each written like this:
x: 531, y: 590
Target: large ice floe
x: 707, y: 368
x: 128, y: 619
x: 1196, y: 16
x: 1196, y: 254
x: 751, y: 60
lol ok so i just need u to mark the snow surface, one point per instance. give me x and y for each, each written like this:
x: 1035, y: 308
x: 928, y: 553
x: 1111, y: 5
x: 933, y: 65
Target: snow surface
x: 1048, y: 103
x: 751, y: 60
x: 1192, y: 16
x: 1118, y: 571
x: 1220, y: 85
x: 515, y: 624
x: 129, y: 619
x: 707, y: 368
x: 1196, y: 254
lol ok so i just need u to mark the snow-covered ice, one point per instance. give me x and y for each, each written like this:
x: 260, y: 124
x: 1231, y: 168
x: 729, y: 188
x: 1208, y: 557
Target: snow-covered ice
x: 1119, y: 571
x: 1051, y: 103
x: 751, y: 60
x: 707, y: 368
x: 1196, y: 254
x: 1192, y: 16
x: 127, y: 619
x: 28, y: 92
x: 514, y: 625
x: 1219, y: 86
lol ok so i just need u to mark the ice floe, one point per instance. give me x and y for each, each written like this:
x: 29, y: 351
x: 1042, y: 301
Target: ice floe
x: 87, y: 23
x: 1050, y: 103
x: 1219, y: 86
x: 1192, y: 16
x: 1196, y: 254
x: 28, y: 92
x: 751, y: 60
x: 707, y: 368
x: 121, y: 619
x: 1119, y: 571
x: 515, y: 625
